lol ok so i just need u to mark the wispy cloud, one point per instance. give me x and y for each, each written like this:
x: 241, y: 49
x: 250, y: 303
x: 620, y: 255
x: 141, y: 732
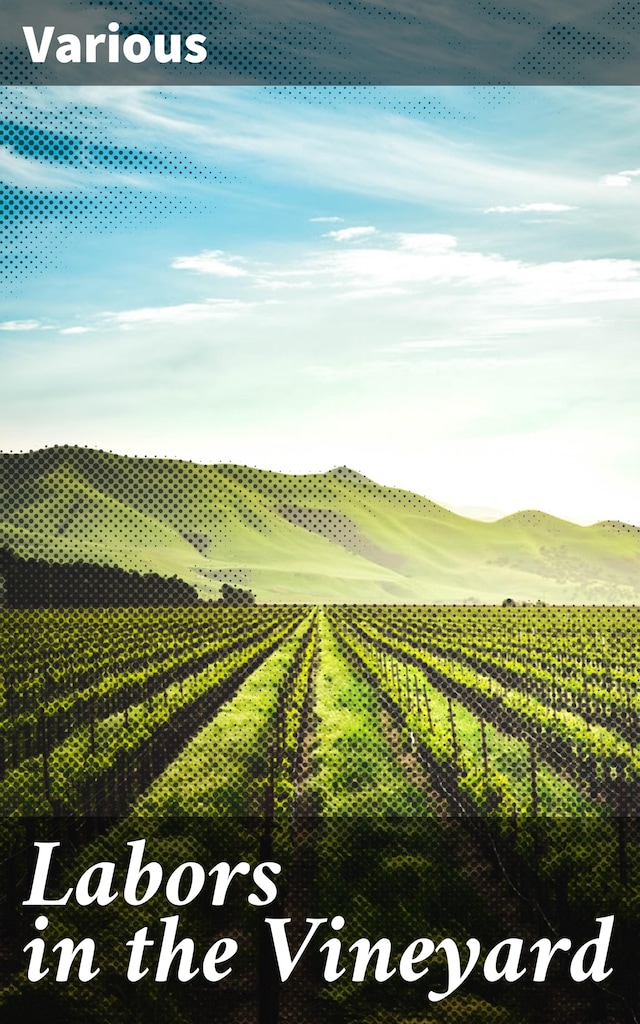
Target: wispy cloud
x: 426, y: 260
x: 510, y: 326
x: 430, y: 352
x: 20, y: 325
x: 211, y: 261
x: 182, y: 314
x: 364, y: 155
x: 429, y: 344
x: 392, y: 268
x: 356, y: 371
x: 532, y: 208
x: 620, y: 180
x: 350, y: 234
x: 277, y: 284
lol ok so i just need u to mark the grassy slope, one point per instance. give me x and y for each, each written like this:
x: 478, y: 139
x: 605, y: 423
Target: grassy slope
x: 214, y: 523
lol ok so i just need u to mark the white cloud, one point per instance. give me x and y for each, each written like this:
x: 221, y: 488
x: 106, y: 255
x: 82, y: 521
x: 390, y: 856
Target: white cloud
x: 402, y: 272
x: 211, y: 261
x: 277, y: 284
x: 20, y: 325
x: 348, y: 234
x: 325, y: 220
x: 535, y: 324
x: 345, y: 150
x: 482, y: 336
x: 620, y: 180
x: 331, y: 374
x: 185, y: 313
x: 426, y: 242
x: 376, y: 291
x: 418, y: 259
x: 429, y: 344
x: 423, y: 260
x: 531, y: 208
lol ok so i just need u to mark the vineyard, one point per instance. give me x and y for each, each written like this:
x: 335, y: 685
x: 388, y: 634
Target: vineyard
x: 419, y: 770
x: 293, y: 711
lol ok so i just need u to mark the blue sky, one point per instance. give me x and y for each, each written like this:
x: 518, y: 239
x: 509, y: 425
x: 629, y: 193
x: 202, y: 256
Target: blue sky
x: 438, y: 288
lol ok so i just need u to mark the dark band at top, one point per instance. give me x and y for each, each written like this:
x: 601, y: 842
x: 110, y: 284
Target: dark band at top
x: 320, y: 42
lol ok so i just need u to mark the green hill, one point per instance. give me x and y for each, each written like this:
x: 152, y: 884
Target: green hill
x: 327, y: 537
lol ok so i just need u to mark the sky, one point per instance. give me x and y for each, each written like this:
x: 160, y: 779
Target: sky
x: 438, y: 288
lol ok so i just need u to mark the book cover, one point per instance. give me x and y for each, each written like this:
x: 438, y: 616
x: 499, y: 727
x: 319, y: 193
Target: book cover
x: 319, y: 529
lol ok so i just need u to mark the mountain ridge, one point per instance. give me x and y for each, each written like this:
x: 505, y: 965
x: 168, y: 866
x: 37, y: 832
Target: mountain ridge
x: 332, y: 537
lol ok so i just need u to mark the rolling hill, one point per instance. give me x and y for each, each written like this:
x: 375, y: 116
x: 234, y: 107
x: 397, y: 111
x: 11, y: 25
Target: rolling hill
x: 326, y: 537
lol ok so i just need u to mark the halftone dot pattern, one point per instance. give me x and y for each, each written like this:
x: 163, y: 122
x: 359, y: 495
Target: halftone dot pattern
x: 492, y: 710
x: 365, y: 878
x: 128, y: 691
x: 418, y: 770
x: 406, y: 102
x: 276, y: 50
x: 624, y: 15
x: 116, y: 185
x: 572, y: 52
x: 17, y: 68
x: 357, y: 42
x: 33, y: 143
x: 509, y: 15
